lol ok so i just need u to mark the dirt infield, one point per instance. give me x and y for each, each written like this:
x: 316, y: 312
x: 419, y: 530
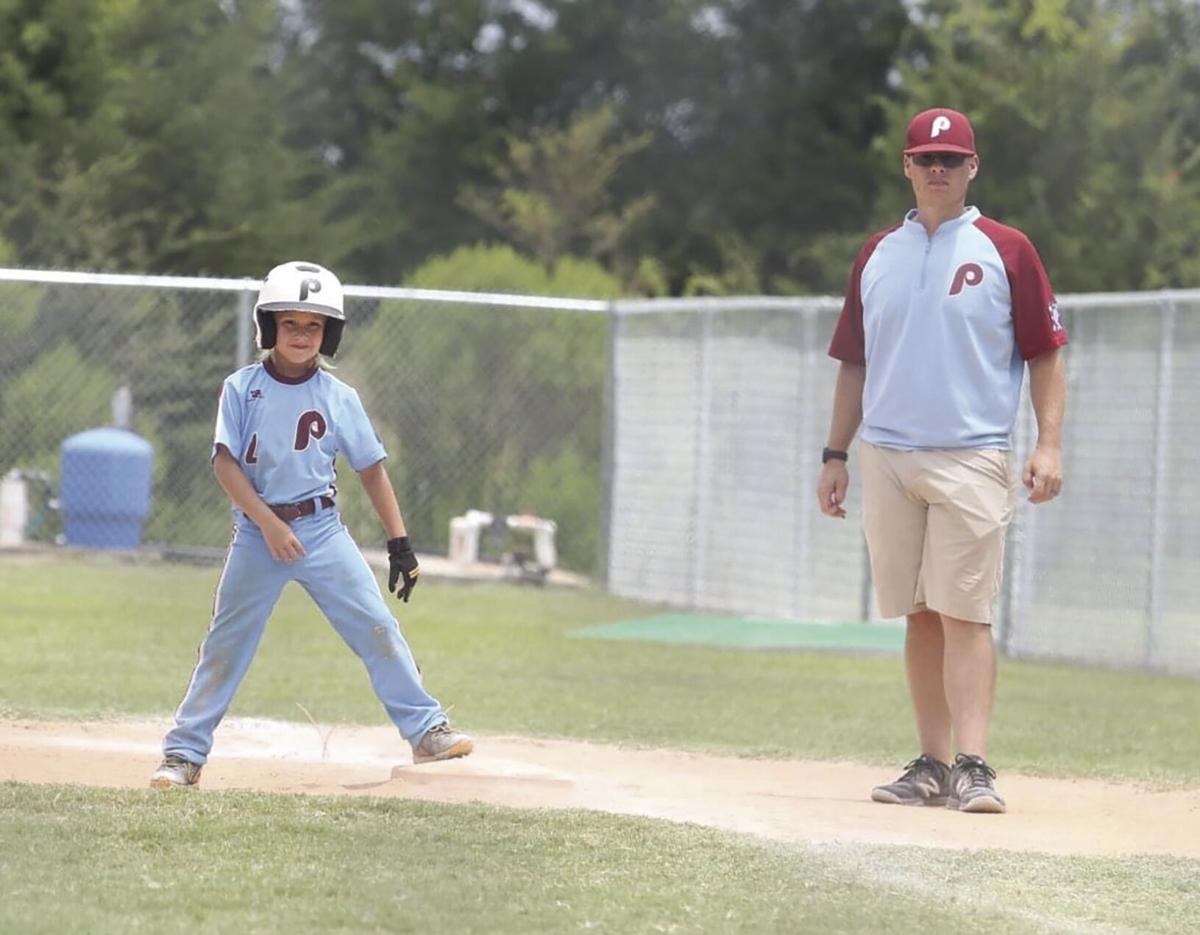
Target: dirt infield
x: 781, y: 800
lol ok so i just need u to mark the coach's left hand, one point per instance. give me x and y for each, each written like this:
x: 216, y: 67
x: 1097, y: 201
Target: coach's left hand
x: 1042, y: 475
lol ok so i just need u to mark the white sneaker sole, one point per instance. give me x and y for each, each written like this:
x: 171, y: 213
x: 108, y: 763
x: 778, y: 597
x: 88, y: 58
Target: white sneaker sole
x: 983, y: 805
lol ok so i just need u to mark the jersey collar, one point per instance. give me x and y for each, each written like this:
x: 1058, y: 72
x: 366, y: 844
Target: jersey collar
x: 969, y: 216
x: 269, y: 366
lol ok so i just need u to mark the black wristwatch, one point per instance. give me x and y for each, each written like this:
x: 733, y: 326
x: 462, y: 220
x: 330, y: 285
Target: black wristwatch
x: 832, y: 454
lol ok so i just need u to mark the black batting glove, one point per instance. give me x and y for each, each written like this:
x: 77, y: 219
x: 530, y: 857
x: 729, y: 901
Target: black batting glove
x: 402, y: 563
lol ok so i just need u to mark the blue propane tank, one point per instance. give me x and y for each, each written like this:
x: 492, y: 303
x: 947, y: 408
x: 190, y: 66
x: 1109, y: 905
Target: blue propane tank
x: 104, y: 488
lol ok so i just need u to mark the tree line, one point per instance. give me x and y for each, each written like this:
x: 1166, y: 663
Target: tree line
x: 685, y: 146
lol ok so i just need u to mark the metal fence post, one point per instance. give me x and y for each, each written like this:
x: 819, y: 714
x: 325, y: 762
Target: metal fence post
x: 608, y: 448
x: 1162, y: 454
x: 703, y: 456
x: 865, y: 585
x: 1024, y: 536
x: 244, y: 336
x: 806, y: 465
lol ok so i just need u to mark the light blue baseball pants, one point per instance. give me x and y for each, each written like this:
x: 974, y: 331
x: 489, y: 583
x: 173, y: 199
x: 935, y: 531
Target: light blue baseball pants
x: 338, y: 578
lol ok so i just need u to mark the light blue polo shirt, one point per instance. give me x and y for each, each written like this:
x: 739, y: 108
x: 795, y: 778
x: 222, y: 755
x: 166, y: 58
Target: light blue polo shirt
x: 944, y: 325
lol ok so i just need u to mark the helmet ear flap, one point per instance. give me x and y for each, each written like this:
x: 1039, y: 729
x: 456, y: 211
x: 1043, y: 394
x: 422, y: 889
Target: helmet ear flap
x: 333, y: 336
x: 266, y: 329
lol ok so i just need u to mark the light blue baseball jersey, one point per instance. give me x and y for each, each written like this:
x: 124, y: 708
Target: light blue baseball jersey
x: 286, y: 432
x: 943, y: 325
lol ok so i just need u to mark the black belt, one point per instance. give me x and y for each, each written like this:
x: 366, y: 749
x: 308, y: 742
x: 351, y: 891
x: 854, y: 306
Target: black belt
x: 290, y: 511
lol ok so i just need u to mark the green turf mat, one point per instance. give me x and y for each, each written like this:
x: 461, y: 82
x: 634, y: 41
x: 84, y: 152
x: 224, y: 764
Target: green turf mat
x: 754, y: 633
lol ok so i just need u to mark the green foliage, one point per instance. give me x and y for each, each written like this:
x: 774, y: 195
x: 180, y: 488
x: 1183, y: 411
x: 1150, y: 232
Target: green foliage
x: 759, y: 117
x: 567, y: 488
x: 148, y: 138
x: 1085, y: 116
x: 554, y: 198
x: 189, y: 507
x: 483, y: 268
x: 692, y: 146
x: 58, y: 395
x: 22, y: 333
x: 455, y: 385
x: 398, y: 101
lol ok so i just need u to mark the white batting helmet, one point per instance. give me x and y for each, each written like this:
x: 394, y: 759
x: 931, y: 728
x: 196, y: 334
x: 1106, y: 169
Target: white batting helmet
x: 299, y: 286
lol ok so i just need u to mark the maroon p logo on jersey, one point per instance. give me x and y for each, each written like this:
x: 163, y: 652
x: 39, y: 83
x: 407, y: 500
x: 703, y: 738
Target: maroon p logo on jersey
x: 310, y: 425
x: 969, y: 274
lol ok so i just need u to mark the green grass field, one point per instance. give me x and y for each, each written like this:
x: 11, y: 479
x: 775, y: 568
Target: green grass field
x: 87, y: 638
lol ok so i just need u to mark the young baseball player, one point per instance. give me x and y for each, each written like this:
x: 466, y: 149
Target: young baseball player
x: 280, y: 424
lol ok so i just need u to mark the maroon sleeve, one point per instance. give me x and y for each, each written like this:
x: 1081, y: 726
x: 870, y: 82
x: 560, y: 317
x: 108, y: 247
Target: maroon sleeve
x: 849, y: 343
x: 1037, y: 326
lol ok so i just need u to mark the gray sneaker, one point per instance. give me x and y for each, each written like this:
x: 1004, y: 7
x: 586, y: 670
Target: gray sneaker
x: 926, y: 781
x: 971, y: 788
x: 442, y: 742
x: 175, y: 771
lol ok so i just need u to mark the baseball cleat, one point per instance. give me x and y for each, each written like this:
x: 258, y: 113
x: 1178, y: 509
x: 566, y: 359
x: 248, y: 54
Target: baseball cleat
x: 442, y: 742
x: 175, y: 771
x: 926, y: 781
x: 971, y: 788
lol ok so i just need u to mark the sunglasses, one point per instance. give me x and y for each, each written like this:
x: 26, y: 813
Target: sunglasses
x: 949, y: 160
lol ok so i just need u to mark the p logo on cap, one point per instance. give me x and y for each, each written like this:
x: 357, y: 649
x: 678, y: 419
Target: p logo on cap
x: 940, y: 130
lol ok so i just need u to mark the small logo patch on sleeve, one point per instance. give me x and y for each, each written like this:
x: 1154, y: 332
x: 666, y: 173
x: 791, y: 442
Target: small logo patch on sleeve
x: 1052, y: 310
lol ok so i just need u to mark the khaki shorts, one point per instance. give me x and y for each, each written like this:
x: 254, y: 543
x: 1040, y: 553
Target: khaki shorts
x: 935, y: 523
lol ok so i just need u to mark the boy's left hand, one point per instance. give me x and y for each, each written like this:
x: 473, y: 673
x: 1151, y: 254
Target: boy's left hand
x: 402, y: 562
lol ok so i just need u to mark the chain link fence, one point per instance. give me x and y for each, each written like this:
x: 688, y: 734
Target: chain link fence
x: 485, y: 402
x: 1107, y: 575
x: 674, y: 442
x: 721, y: 408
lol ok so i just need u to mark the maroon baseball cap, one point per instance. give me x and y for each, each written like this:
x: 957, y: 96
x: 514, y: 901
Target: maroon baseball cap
x: 939, y: 130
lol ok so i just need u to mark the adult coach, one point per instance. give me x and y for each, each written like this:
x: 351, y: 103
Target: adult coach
x: 942, y: 313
